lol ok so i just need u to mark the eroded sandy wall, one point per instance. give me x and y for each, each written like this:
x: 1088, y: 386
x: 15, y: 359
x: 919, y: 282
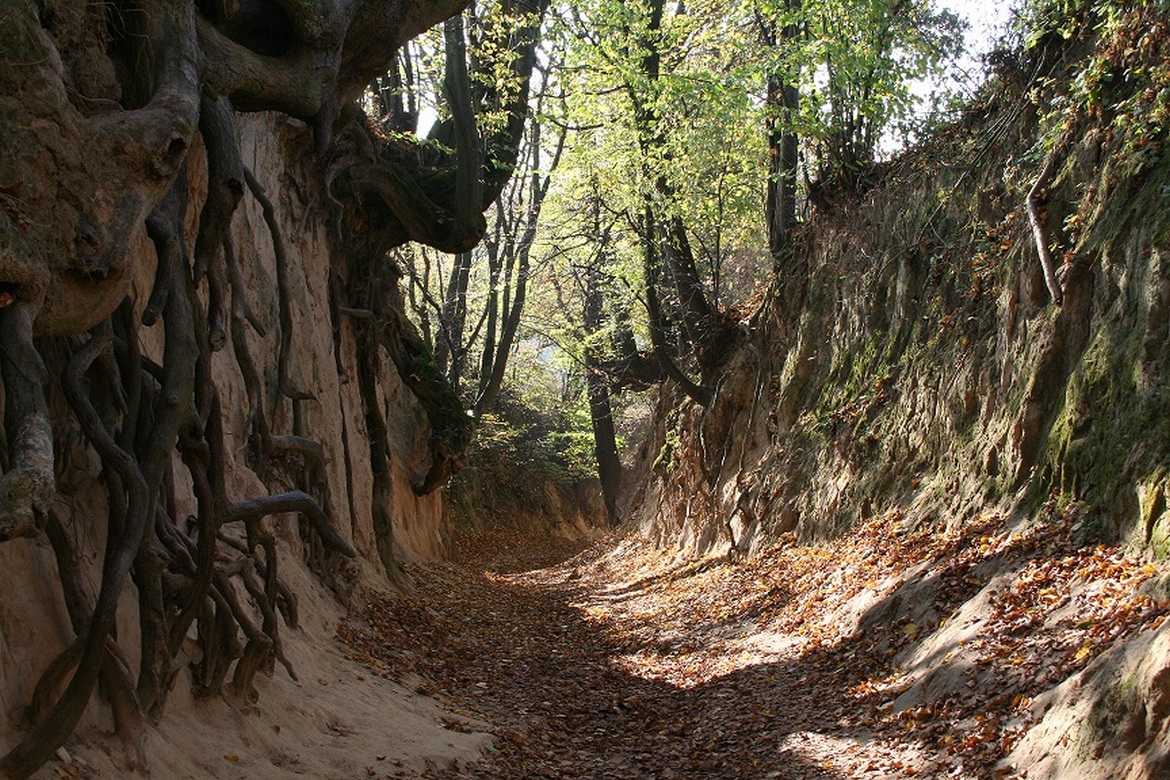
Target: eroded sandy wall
x: 911, y: 363
x: 34, y: 626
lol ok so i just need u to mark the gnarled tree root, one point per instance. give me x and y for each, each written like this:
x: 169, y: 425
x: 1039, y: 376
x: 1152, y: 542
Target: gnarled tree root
x: 225, y: 173
x: 1034, y: 203
x: 28, y: 486
x: 121, y: 545
x: 280, y: 255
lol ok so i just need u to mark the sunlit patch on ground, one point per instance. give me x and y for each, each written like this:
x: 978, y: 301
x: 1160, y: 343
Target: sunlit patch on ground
x: 892, y: 652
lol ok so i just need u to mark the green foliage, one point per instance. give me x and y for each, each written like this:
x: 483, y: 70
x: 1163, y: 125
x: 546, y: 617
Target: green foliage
x: 664, y: 463
x: 523, y: 445
x: 494, y: 26
x: 855, y: 62
x: 1117, y: 96
x: 1069, y: 19
x: 668, y: 113
x: 695, y: 125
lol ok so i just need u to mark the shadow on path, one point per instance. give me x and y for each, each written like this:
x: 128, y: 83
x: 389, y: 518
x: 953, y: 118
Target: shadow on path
x: 620, y: 662
x: 519, y: 652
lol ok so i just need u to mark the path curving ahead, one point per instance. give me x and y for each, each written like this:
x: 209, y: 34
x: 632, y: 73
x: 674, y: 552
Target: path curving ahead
x: 591, y: 665
x: 886, y: 653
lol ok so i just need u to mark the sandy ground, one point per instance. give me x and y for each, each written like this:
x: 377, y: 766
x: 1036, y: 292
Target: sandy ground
x: 337, y: 721
x: 884, y: 655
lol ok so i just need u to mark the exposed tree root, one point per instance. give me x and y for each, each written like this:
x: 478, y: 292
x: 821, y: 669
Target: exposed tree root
x: 207, y: 585
x: 452, y: 427
x: 134, y: 413
x: 27, y: 486
x: 367, y: 370
x: 1034, y: 204
x: 116, y: 679
x: 280, y: 256
x: 225, y: 173
x: 293, y: 501
x: 122, y: 542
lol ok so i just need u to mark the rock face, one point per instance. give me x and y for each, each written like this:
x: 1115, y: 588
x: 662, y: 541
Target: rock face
x: 909, y: 364
x: 34, y: 625
x: 190, y: 426
x: 534, y: 504
x: 910, y: 359
x: 322, y: 359
x: 1110, y: 721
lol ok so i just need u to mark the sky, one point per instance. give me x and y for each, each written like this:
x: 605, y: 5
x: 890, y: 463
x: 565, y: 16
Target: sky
x: 988, y: 21
x: 987, y: 17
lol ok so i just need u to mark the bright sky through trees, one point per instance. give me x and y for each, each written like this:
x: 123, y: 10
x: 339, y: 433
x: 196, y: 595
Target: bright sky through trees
x: 988, y: 21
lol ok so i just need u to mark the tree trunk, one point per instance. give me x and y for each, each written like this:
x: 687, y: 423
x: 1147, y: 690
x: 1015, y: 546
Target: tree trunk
x: 518, y: 251
x: 668, y: 243
x: 782, y: 171
x: 609, y: 465
x: 450, y: 350
x: 487, y: 360
x: 658, y: 336
x: 782, y: 105
x: 692, y: 299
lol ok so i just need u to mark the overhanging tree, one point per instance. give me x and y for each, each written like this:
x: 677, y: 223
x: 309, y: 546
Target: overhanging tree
x: 99, y: 105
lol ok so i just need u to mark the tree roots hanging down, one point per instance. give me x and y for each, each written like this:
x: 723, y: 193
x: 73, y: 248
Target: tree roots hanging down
x: 217, y: 575
x: 1034, y: 205
x: 126, y: 87
x: 27, y: 485
x: 134, y: 413
x: 1075, y: 128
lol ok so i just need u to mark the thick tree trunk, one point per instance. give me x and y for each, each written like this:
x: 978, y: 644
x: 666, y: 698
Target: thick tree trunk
x: 609, y: 466
x: 782, y: 102
x: 654, y: 316
x: 664, y: 235
x: 692, y: 298
x: 782, y: 172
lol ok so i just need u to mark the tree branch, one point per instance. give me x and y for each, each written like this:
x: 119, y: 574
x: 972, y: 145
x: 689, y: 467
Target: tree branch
x: 1036, y: 195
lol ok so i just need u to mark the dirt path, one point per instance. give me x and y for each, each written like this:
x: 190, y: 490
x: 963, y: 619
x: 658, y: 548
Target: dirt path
x: 559, y: 658
x: 883, y: 655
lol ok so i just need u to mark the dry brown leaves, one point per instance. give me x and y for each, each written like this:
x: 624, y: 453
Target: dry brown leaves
x: 626, y: 661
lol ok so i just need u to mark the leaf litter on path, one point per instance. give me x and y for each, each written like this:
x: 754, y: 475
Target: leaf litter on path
x: 886, y: 653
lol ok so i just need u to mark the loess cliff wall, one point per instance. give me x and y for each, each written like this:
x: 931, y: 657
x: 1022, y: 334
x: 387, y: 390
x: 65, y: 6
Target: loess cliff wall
x: 909, y: 357
x: 909, y: 364
x: 343, y: 722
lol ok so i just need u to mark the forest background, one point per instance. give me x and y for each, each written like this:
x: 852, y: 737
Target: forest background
x: 672, y: 151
